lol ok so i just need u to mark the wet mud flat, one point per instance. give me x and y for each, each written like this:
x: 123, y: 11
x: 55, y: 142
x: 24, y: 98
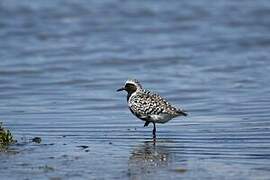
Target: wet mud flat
x: 128, y: 152
x: 97, y: 160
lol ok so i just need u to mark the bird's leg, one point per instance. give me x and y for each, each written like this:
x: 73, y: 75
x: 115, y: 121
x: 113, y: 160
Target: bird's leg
x: 146, y: 123
x: 154, y: 131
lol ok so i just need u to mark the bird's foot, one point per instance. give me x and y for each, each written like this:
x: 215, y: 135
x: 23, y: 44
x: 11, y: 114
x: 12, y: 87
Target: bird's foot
x: 154, y: 140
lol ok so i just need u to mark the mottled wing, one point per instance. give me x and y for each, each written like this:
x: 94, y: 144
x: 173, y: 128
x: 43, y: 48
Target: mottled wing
x: 146, y: 103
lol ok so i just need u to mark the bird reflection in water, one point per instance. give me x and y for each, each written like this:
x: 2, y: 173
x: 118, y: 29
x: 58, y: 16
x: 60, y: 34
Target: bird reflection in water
x: 150, y: 158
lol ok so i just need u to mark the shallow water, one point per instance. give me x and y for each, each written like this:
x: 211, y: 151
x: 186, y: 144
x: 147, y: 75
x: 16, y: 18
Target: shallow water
x: 61, y: 62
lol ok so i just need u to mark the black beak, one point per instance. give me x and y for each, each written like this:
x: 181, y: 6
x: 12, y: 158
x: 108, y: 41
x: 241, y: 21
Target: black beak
x: 121, y: 89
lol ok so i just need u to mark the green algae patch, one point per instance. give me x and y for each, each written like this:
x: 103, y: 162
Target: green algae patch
x: 180, y: 170
x: 46, y: 168
x: 6, y: 137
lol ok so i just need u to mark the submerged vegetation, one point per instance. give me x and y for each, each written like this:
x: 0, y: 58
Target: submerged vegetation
x: 6, y: 137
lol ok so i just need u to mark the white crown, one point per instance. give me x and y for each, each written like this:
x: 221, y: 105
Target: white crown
x: 135, y: 82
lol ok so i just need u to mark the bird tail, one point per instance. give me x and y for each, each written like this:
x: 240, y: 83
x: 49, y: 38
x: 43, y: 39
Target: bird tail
x: 182, y: 112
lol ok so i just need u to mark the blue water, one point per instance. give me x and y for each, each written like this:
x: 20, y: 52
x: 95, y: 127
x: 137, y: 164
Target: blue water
x: 62, y: 61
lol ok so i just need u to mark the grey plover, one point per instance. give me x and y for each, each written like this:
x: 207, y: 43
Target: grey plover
x: 148, y: 106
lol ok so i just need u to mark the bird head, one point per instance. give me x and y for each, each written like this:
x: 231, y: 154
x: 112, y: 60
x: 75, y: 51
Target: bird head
x: 131, y: 86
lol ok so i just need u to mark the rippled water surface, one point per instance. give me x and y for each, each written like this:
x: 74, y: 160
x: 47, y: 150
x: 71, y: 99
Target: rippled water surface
x: 62, y: 60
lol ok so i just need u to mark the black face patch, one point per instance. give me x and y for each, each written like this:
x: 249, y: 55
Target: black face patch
x: 130, y: 88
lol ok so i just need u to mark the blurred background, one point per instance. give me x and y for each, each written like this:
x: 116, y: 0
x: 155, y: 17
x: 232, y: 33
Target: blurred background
x: 62, y: 61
